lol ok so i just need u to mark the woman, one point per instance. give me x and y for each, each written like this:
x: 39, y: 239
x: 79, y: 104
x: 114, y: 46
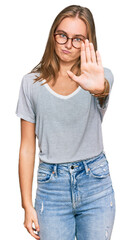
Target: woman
x: 75, y: 196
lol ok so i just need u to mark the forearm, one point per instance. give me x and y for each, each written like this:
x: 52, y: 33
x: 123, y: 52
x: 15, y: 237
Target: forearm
x: 26, y: 170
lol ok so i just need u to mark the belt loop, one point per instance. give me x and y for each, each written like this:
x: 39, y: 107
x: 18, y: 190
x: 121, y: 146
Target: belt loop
x: 86, y: 167
x: 55, y: 169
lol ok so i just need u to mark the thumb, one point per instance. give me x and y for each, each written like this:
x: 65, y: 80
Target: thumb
x: 72, y: 76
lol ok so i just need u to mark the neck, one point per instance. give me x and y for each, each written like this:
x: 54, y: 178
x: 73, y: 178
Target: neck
x: 63, y: 69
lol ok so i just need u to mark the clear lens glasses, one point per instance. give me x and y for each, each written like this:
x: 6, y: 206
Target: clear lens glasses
x: 62, y: 39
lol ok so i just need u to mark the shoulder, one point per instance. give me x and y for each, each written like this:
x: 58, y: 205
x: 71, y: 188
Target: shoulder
x: 28, y: 83
x: 29, y: 78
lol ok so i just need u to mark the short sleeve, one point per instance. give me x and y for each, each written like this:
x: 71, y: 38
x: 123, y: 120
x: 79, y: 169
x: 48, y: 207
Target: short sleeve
x: 102, y: 108
x: 24, y: 108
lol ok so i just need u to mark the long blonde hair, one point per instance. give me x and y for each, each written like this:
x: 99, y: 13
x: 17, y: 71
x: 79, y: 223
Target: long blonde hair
x: 49, y: 65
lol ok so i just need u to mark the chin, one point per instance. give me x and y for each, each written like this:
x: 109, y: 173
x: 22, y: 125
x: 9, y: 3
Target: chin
x: 66, y: 59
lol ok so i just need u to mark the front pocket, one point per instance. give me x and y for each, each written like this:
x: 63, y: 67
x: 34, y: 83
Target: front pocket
x: 43, y: 175
x: 100, y: 168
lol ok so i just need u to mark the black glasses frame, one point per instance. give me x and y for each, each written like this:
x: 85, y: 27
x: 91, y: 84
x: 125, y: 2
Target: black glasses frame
x: 67, y: 39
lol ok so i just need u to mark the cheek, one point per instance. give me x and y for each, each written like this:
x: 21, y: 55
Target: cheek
x: 76, y: 53
x: 58, y: 50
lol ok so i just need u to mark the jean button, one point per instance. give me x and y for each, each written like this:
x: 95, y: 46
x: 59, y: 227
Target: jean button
x: 72, y: 167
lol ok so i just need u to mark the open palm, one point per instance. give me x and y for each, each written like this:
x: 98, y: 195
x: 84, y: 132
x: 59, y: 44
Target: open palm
x: 92, y: 72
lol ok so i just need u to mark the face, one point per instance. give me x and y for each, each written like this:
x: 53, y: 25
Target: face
x: 72, y: 27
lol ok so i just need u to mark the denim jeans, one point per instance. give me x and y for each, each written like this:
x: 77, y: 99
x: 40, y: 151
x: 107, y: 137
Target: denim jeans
x: 75, y: 200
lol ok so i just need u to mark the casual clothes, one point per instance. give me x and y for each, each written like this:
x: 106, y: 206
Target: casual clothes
x: 68, y: 128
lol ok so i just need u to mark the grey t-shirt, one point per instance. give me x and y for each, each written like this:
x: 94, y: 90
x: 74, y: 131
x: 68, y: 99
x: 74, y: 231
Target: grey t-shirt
x: 68, y: 128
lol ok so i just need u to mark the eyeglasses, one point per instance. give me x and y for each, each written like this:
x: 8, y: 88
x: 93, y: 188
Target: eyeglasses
x: 62, y: 38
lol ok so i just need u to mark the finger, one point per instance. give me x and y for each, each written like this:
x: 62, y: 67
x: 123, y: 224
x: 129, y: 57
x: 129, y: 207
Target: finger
x: 37, y: 227
x: 72, y: 76
x: 87, y: 48
x: 93, y: 55
x: 33, y: 234
x: 30, y: 230
x: 99, y: 61
x: 83, y: 54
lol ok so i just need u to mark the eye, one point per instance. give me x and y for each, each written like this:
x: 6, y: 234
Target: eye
x: 62, y: 35
x: 77, y: 39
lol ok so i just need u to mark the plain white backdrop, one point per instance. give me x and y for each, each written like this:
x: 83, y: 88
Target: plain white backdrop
x: 24, y: 31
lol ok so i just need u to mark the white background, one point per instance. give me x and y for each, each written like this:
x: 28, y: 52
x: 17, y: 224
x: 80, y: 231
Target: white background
x: 24, y: 30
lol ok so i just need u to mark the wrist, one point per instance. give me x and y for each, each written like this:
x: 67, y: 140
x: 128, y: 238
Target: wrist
x: 105, y: 92
x: 27, y: 206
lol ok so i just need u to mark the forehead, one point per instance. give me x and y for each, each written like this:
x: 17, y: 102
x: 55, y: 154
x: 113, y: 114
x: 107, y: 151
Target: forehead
x: 73, y: 26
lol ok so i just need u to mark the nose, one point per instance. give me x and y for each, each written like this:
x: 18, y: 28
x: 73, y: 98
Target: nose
x: 68, y: 44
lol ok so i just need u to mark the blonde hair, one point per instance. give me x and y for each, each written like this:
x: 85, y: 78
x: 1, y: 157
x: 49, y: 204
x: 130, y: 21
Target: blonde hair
x: 49, y: 66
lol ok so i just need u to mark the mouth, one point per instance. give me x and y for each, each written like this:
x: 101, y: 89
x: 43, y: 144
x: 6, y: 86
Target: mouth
x: 66, y: 52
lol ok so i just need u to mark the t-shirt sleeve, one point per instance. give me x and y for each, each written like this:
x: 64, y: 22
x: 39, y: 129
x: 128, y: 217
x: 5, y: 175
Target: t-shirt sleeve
x: 24, y: 108
x: 102, y: 108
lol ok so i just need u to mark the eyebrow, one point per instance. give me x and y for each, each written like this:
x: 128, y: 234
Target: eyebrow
x: 74, y: 34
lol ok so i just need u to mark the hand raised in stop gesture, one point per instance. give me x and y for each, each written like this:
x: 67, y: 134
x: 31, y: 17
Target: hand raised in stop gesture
x: 92, y: 71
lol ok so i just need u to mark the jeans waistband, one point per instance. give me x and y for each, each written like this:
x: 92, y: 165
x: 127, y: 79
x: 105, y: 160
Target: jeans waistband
x: 76, y: 164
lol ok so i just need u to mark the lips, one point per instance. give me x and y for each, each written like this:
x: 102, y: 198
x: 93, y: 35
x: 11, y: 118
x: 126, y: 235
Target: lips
x: 65, y: 51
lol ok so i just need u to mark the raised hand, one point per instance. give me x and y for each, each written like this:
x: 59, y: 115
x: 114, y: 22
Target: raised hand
x: 92, y: 72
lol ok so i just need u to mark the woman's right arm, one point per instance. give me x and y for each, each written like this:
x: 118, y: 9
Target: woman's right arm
x: 26, y: 170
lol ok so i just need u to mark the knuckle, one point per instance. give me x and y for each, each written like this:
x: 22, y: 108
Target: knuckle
x: 28, y: 227
x: 36, y: 224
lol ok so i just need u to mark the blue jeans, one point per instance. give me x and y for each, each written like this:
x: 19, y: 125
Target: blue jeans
x: 75, y: 200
